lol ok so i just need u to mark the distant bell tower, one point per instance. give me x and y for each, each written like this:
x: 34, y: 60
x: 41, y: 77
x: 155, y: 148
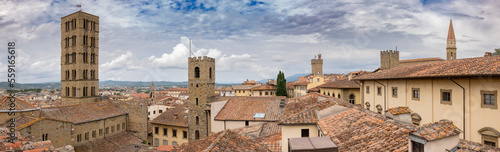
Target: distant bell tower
x: 79, y: 58
x: 201, y: 84
x: 317, y: 66
x: 451, y: 44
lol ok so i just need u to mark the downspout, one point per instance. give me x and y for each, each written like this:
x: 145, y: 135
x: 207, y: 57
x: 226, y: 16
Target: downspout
x: 384, y: 94
x: 463, y: 93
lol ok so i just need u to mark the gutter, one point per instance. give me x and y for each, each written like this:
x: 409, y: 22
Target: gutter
x: 385, y: 94
x: 463, y: 93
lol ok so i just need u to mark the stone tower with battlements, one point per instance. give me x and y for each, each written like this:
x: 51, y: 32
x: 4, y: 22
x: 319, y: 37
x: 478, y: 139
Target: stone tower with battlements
x: 79, y: 58
x: 317, y: 66
x: 389, y: 59
x: 451, y: 44
x: 201, y: 84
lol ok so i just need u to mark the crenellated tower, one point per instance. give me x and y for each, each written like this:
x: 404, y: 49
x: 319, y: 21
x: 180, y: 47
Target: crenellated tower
x: 389, y: 59
x: 201, y: 84
x: 317, y: 66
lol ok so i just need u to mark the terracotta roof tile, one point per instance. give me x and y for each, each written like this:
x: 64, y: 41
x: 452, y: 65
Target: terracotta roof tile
x: 176, y: 89
x: 111, y: 143
x: 421, y: 60
x: 480, y: 66
x: 173, y: 117
x: 20, y: 104
x: 264, y: 87
x: 246, y: 108
x: 223, y: 141
x: 358, y: 129
x: 437, y: 130
x: 470, y: 146
x: 83, y: 112
x: 399, y: 110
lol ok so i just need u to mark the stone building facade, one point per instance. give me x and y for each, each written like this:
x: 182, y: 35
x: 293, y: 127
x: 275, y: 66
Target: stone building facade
x: 79, y: 58
x: 201, y: 79
x: 317, y: 66
x: 137, y: 117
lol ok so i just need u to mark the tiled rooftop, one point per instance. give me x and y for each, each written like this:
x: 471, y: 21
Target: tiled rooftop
x: 340, y: 84
x: 173, y: 117
x: 111, y: 143
x: 480, y: 66
x: 437, y: 130
x: 246, y: 108
x: 358, y: 129
x: 83, y: 112
x: 242, y: 87
x: 469, y: 146
x: 421, y: 59
x: 176, y: 89
x: 399, y: 110
x: 264, y: 87
x: 223, y: 141
x: 20, y: 104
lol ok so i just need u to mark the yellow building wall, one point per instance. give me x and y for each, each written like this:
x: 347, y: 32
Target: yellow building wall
x: 316, y: 81
x: 170, y: 139
x: 294, y: 131
x: 243, y: 93
x: 429, y: 105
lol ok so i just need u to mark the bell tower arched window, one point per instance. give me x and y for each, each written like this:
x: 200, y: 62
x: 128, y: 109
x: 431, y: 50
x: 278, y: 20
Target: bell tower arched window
x: 197, y: 72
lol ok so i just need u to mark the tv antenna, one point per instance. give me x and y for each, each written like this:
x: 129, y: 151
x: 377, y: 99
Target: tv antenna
x: 190, y: 52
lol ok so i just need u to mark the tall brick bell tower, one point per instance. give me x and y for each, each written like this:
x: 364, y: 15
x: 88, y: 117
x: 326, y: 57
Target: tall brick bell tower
x: 79, y: 58
x: 201, y: 90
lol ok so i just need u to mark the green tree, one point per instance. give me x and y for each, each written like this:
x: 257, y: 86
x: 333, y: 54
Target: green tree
x: 281, y: 84
x: 497, y: 51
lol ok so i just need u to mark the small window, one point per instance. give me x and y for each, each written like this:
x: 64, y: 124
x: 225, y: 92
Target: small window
x: 415, y: 94
x: 87, y: 136
x: 123, y: 126
x: 267, y: 93
x: 395, y: 92
x: 445, y: 96
x: 165, y: 131
x: 197, y: 120
x: 107, y: 130
x: 488, y: 99
x: 157, y: 142
x: 351, y: 99
x: 367, y: 89
x: 161, y: 111
x: 379, y: 90
x: 174, y: 143
x: 165, y: 142
x: 379, y: 108
x: 417, y: 147
x: 157, y: 130
x: 174, y: 132
x: 184, y: 134
x: 112, y: 129
x: 489, y: 136
x: 93, y: 134
x: 304, y: 133
x: 210, y: 73
x: 100, y: 132
x: 247, y: 123
x: 79, y: 138
x: 118, y: 127
x: 338, y: 95
x: 197, y: 101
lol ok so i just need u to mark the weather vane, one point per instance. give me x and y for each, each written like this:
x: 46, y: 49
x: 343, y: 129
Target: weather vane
x: 79, y: 6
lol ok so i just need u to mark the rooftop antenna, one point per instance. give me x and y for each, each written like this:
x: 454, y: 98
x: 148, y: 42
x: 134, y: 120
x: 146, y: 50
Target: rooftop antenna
x: 190, y: 52
x: 79, y: 6
x: 396, y: 47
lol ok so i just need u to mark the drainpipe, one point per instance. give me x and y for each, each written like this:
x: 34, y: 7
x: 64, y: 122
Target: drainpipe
x: 385, y: 108
x: 463, y: 89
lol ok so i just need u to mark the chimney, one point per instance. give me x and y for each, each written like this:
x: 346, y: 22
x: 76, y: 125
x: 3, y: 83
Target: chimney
x: 487, y: 54
x: 282, y: 103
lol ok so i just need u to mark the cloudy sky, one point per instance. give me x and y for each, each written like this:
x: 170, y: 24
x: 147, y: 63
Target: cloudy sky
x: 148, y: 40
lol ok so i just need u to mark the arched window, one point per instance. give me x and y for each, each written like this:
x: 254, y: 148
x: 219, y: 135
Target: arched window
x: 196, y: 135
x: 351, y: 99
x: 338, y: 95
x: 197, y: 120
x: 489, y: 136
x: 210, y: 73
x: 197, y: 72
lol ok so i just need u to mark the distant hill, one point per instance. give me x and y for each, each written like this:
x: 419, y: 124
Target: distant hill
x: 295, y: 77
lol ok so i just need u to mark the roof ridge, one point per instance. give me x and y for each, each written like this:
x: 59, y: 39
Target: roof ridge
x: 212, y: 145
